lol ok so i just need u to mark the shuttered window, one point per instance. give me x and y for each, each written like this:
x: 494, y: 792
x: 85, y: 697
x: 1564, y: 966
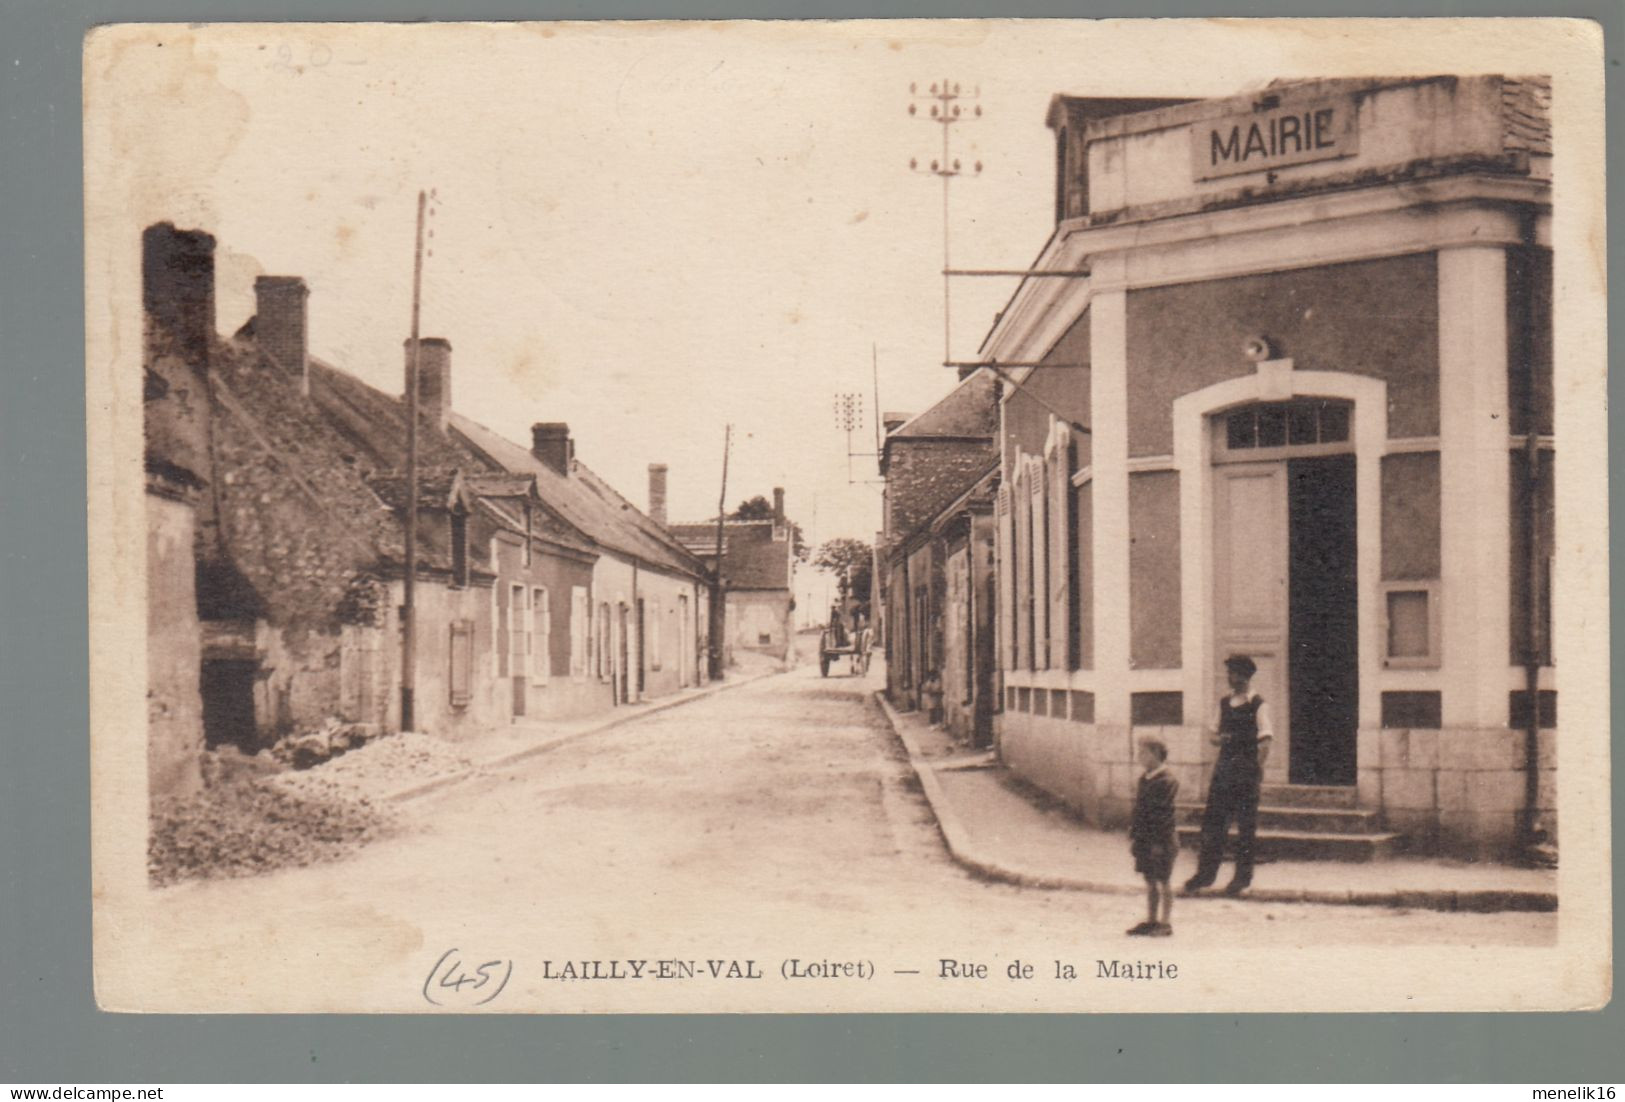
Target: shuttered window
x: 462, y: 662
x: 542, y: 635
x: 578, y: 632
x: 1006, y: 579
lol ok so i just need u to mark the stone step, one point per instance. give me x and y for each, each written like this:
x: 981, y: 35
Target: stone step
x: 1298, y: 845
x: 1308, y: 820
x: 1308, y: 795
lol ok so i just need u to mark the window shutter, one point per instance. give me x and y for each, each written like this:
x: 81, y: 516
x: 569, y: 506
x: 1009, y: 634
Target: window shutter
x: 1037, y: 488
x: 542, y: 648
x: 503, y: 641
x: 1005, y: 567
x: 1063, y: 531
x: 1023, y: 573
x: 462, y: 662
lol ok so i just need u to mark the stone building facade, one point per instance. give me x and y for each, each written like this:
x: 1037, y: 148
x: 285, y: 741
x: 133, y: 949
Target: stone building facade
x: 1299, y: 407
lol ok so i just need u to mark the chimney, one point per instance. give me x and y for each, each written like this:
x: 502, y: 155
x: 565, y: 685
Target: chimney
x: 778, y: 506
x: 893, y: 421
x: 279, y: 326
x: 657, y: 493
x: 434, y: 379
x: 177, y: 284
x: 550, y: 442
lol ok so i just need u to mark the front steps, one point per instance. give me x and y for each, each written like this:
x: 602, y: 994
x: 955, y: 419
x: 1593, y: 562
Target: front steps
x: 1305, y: 822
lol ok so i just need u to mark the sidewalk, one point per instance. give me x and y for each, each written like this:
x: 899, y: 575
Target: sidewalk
x: 515, y: 742
x: 1001, y: 828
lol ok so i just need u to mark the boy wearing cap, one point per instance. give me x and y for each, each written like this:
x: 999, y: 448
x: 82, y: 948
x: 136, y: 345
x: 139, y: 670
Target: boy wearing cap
x: 1244, y: 737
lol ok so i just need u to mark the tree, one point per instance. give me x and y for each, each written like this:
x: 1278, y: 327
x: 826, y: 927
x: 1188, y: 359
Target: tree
x: 852, y: 562
x: 759, y: 508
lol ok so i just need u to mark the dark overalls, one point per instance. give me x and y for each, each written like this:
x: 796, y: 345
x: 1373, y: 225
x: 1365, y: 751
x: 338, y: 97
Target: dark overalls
x: 1232, y: 794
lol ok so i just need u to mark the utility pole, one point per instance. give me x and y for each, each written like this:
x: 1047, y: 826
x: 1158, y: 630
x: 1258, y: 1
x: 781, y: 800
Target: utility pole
x: 408, y: 608
x: 719, y: 612
x: 946, y: 110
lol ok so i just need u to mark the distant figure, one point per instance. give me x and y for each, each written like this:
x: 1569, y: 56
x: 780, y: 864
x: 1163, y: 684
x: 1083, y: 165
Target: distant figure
x: 837, y: 626
x: 1243, y: 739
x: 1152, y: 839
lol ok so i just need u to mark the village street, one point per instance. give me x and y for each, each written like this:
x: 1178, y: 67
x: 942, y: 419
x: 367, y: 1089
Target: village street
x: 780, y: 817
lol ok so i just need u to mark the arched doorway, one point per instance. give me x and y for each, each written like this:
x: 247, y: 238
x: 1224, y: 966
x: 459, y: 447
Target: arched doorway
x: 1286, y: 571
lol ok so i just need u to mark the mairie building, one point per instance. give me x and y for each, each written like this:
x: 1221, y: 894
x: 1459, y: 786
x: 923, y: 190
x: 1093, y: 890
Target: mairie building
x: 1282, y: 387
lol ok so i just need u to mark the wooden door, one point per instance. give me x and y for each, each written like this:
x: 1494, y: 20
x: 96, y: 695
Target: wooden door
x: 1250, y: 587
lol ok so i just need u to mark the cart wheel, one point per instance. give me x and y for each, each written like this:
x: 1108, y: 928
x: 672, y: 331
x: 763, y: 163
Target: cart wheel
x: 823, y: 665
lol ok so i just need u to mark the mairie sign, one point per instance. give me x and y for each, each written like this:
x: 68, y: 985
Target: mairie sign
x: 1318, y: 130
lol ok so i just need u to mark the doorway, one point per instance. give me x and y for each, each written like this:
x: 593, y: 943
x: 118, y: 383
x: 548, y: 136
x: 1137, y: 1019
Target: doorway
x: 1323, y: 656
x: 1285, y: 581
x: 227, y: 689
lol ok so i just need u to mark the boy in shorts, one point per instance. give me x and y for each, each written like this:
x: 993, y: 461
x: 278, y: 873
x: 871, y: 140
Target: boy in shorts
x: 1151, y: 837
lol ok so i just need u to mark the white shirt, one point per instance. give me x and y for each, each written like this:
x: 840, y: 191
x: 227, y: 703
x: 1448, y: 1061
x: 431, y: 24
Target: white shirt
x: 1266, y: 729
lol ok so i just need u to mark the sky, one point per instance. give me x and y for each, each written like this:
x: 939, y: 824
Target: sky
x: 649, y: 231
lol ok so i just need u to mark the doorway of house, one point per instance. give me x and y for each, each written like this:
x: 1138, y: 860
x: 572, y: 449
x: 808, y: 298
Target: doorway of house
x: 228, y: 703
x: 623, y: 679
x: 1285, y: 582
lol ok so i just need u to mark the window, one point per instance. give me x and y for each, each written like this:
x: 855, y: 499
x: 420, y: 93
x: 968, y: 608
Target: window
x: 519, y: 626
x: 542, y: 635
x: 528, y: 551
x: 1037, y: 485
x: 1410, y: 627
x: 1287, y: 424
x: 579, y: 616
x: 462, y: 662
x: 459, y: 548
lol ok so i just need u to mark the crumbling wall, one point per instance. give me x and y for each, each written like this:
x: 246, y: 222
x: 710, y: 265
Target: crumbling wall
x: 174, y: 704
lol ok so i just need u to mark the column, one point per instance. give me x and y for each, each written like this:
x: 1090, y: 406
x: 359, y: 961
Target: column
x: 1475, y: 536
x: 1108, y: 422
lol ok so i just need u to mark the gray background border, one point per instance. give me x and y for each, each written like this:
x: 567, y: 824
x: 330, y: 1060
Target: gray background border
x: 50, y: 1030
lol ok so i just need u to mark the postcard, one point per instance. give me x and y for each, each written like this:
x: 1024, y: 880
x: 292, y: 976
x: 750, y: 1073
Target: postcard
x: 963, y: 515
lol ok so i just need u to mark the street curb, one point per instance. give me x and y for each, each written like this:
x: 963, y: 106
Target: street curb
x: 964, y: 851
x: 412, y: 791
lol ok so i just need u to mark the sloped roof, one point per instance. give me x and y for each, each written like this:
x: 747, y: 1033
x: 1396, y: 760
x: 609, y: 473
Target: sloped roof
x: 751, y: 557
x: 376, y: 424
x: 584, y: 500
x: 968, y: 409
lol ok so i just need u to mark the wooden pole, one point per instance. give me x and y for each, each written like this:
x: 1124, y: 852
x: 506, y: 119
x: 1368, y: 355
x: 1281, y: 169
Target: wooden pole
x: 719, y: 617
x: 408, y: 611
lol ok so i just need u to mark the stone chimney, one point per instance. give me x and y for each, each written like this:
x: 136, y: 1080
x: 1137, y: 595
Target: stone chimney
x: 279, y: 326
x: 778, y: 506
x: 550, y: 442
x: 177, y: 292
x: 893, y: 421
x: 434, y: 379
x: 657, y: 493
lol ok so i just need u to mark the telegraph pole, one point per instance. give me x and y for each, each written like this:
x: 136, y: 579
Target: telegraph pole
x: 945, y: 110
x: 408, y: 609
x: 719, y: 612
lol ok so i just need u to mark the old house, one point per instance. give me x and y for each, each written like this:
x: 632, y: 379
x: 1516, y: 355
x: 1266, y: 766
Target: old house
x: 638, y: 619
x: 298, y: 544
x: 1294, y: 401
x: 758, y: 572
x: 935, y: 555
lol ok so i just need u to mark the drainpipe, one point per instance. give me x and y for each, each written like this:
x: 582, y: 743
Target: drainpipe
x: 1534, y: 846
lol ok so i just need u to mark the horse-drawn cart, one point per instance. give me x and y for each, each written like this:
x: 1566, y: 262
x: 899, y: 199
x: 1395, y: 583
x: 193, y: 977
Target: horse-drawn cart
x: 835, y: 644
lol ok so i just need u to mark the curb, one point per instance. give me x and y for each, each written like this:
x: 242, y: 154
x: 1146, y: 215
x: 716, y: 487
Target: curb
x: 425, y: 787
x: 964, y: 851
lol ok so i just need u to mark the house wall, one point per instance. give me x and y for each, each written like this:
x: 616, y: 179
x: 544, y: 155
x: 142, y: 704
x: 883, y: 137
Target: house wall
x: 755, y: 613
x: 557, y: 694
x: 174, y: 652
x: 664, y: 669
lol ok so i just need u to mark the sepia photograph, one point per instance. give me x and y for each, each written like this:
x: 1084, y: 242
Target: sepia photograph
x: 915, y: 515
